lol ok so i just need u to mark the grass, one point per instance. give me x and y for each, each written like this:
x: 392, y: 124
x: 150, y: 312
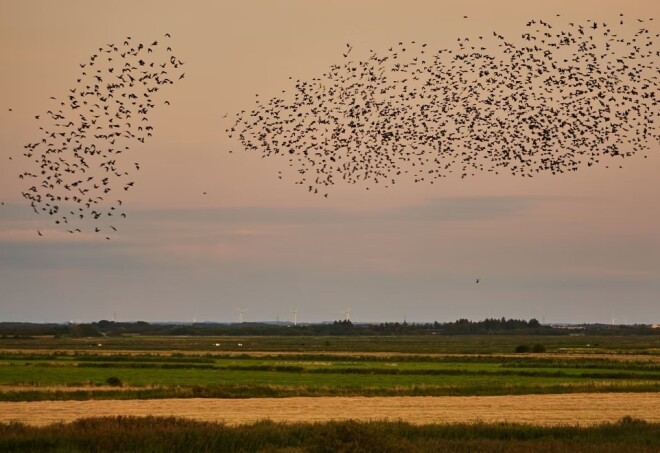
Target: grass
x: 180, y: 374
x: 126, y: 368
x: 427, y: 344
x: 70, y: 373
x: 171, y: 434
x: 238, y: 390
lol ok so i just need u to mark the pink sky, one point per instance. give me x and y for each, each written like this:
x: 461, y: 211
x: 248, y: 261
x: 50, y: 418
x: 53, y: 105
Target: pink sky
x: 582, y: 246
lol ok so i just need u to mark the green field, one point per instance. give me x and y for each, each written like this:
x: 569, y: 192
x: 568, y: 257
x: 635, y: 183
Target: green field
x: 148, y: 367
x: 413, y: 344
x: 164, y: 367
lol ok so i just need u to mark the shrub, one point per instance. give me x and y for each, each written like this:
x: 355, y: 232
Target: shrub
x: 538, y: 348
x: 114, y: 381
x: 522, y: 348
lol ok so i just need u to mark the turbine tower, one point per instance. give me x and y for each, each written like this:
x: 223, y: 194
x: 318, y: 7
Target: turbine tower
x: 347, y: 314
x: 295, y: 316
x: 241, y: 314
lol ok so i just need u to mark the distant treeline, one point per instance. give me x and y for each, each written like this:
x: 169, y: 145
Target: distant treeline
x: 460, y: 327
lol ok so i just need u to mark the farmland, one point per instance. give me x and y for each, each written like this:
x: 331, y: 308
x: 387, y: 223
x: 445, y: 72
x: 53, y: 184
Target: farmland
x: 602, y: 379
x: 239, y: 367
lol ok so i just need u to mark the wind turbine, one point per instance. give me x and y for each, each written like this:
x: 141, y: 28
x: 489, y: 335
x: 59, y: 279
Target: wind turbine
x: 241, y: 314
x: 347, y: 314
x: 295, y: 316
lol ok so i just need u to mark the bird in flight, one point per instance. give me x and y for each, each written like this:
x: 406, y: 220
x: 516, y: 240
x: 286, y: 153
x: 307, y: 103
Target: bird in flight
x: 552, y: 100
x: 85, y: 143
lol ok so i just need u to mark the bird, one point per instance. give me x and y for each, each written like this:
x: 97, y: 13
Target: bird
x: 348, y: 50
x: 549, y: 102
x: 76, y: 158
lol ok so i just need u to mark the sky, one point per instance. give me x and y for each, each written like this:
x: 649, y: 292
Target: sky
x: 209, y: 232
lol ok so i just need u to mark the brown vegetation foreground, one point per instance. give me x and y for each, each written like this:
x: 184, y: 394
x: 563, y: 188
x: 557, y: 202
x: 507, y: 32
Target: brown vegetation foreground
x: 566, y: 409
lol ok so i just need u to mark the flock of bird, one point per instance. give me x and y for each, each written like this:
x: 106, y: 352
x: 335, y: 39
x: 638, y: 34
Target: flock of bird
x: 83, y: 161
x: 556, y: 99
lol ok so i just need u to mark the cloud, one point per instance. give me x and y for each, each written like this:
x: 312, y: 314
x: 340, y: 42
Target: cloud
x: 383, y: 240
x: 432, y: 210
x: 32, y: 235
x: 466, y: 209
x: 251, y: 219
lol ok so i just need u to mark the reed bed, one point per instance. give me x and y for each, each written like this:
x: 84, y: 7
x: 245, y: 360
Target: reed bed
x: 169, y: 434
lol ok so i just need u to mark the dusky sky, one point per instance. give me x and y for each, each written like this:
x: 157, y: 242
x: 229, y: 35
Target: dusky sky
x: 210, y: 231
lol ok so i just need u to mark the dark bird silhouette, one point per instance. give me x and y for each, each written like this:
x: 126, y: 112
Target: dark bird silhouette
x: 555, y: 99
x: 84, y: 151
x: 348, y: 50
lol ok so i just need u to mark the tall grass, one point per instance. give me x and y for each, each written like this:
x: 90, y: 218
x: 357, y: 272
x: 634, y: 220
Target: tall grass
x: 171, y: 434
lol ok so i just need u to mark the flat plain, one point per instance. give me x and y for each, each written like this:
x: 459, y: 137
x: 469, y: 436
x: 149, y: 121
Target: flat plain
x: 578, y: 381
x: 544, y: 410
x: 136, y: 367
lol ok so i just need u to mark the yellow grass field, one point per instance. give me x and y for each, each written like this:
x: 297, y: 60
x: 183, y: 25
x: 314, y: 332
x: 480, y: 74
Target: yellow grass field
x: 566, y: 409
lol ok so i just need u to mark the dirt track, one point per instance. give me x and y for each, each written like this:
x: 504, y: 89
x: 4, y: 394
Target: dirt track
x: 585, y: 409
